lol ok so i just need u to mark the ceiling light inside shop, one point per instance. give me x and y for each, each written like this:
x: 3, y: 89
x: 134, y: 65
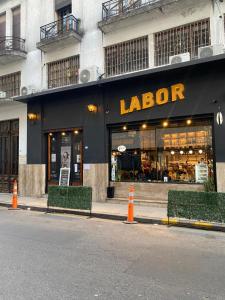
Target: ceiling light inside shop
x: 165, y: 124
x: 124, y: 127
x: 172, y: 152
x: 144, y: 126
x: 50, y: 134
x: 181, y: 152
x: 190, y: 151
x: 200, y: 151
x: 76, y: 131
x: 63, y: 133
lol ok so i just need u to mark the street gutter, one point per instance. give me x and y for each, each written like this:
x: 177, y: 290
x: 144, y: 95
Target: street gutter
x: 143, y: 220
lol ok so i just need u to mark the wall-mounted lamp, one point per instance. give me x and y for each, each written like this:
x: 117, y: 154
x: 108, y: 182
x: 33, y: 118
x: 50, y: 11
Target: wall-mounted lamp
x: 32, y: 117
x: 219, y: 115
x: 165, y: 124
x: 92, y: 108
x: 219, y: 118
x: 189, y: 122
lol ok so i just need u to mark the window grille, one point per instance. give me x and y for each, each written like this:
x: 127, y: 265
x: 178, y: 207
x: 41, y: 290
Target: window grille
x: 63, y: 72
x: 127, y: 56
x: 177, y: 40
x: 11, y: 84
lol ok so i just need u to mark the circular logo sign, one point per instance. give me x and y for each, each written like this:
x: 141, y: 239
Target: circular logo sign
x: 122, y: 148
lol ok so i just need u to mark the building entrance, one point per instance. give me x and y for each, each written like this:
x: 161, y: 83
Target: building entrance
x: 9, y: 154
x: 65, y: 151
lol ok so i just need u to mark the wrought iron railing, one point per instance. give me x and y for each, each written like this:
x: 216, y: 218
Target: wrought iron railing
x: 113, y: 8
x: 60, y: 27
x: 10, y: 43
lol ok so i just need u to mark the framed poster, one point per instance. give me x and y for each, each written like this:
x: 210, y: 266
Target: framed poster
x: 201, y: 173
x: 64, y: 178
x: 65, y: 156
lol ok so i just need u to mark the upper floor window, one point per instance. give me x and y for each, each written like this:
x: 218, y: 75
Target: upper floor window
x: 16, y: 22
x: 182, y: 39
x: 127, y: 56
x: 64, y: 11
x: 63, y: 72
x: 11, y: 84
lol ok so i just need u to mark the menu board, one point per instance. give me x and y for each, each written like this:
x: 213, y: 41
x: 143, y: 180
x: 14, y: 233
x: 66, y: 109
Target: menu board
x: 64, y: 178
x: 201, y: 173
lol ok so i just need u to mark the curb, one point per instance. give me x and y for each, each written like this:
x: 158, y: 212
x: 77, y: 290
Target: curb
x: 143, y: 220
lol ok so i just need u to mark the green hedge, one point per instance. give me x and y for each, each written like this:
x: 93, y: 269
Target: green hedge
x: 74, y: 197
x: 207, y: 206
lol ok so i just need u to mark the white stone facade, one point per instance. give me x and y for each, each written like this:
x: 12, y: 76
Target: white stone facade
x: 34, y: 14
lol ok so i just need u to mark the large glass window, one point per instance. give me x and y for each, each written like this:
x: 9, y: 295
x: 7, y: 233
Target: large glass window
x: 180, y: 152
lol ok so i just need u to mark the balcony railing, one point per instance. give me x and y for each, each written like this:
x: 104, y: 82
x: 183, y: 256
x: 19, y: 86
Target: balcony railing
x: 10, y: 43
x: 58, y: 28
x: 114, y: 8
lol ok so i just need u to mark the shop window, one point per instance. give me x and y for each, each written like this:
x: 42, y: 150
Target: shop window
x: 65, y: 151
x: 63, y: 72
x: 178, y: 153
x: 126, y: 57
x: 177, y: 40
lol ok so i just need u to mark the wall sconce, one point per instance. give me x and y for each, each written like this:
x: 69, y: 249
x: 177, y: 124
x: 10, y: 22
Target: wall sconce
x: 32, y: 117
x: 165, y: 124
x: 92, y: 108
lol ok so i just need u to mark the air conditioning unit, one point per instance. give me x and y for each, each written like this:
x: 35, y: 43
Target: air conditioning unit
x: 208, y: 51
x: 27, y: 90
x: 179, y: 58
x: 2, y: 94
x: 88, y: 74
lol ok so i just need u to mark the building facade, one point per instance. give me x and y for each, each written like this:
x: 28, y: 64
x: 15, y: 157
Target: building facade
x: 117, y: 91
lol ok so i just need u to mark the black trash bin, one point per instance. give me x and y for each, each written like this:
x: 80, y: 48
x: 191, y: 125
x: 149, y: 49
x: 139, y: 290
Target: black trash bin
x: 110, y: 191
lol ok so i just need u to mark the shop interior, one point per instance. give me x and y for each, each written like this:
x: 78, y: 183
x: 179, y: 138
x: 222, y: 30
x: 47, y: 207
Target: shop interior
x: 178, y: 151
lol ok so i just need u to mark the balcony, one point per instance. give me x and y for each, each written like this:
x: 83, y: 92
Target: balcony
x: 11, y: 49
x: 119, y: 13
x: 60, y: 33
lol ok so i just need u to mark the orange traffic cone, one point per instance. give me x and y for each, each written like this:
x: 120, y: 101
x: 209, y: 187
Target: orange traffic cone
x: 14, y: 197
x: 130, y: 217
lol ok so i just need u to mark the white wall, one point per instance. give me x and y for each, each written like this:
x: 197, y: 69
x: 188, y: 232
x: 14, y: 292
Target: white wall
x: 36, y: 13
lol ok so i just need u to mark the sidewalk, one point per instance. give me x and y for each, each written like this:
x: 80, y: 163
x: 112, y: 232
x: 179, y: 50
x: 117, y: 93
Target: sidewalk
x: 142, y: 214
x: 97, y: 208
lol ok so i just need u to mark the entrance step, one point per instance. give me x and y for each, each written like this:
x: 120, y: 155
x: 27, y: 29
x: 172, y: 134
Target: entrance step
x: 143, y: 202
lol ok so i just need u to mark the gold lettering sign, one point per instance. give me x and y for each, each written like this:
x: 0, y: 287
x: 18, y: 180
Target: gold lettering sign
x: 148, y: 100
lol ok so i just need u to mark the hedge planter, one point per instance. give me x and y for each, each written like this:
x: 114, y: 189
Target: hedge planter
x: 207, y: 206
x: 73, y: 197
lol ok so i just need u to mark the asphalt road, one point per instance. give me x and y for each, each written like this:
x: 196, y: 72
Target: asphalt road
x: 69, y: 257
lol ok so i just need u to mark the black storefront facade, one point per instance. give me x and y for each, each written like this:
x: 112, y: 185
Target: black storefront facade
x: 156, y: 129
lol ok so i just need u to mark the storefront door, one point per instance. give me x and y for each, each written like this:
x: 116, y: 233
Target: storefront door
x: 65, y: 150
x: 9, y: 151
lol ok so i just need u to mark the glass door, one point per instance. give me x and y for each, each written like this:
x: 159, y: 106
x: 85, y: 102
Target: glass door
x: 65, y: 150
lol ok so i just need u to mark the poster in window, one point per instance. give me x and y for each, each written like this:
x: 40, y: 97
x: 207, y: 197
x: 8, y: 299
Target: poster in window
x: 201, y: 173
x: 65, y: 156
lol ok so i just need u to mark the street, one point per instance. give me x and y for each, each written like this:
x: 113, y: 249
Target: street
x: 70, y: 257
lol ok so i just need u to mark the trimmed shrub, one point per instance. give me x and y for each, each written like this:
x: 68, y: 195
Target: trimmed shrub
x: 74, y: 197
x: 207, y: 206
